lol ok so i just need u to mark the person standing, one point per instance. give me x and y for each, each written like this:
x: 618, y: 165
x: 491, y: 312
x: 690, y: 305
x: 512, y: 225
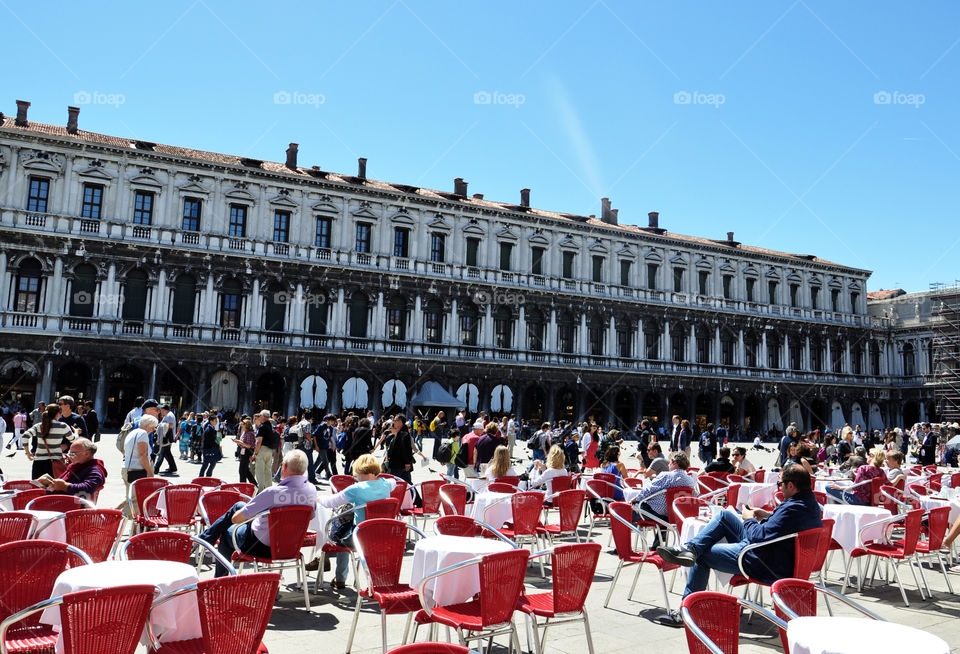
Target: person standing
x: 73, y: 420
x: 246, y: 443
x: 210, y: 445
x: 93, y: 421
x: 19, y: 424
x: 136, y: 450
x: 47, y: 442
x: 708, y: 445
x: 400, y: 452
x: 165, y: 433
x: 323, y: 436
x: 305, y: 443
x: 512, y: 429
x: 37, y: 414
x: 675, y: 435
x: 265, y: 448
x: 928, y: 445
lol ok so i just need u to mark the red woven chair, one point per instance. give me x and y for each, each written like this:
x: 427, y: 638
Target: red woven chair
x: 430, y: 648
x: 712, y: 621
x: 182, y: 501
x: 234, y: 614
x: 822, y: 497
x: 28, y: 572
x: 633, y: 482
x: 718, y: 474
x: 380, y: 546
x: 167, y: 546
x: 215, y: 503
x: 737, y: 479
x: 607, y: 477
x: 708, y: 483
x: 733, y: 495
x: 94, y: 621
x: 513, y: 480
x: 15, y: 526
x: 759, y: 476
x: 18, y: 485
x: 795, y: 598
x: 453, y: 499
x: 339, y: 482
x: 621, y: 525
x: 572, y: 567
x: 386, y: 508
x: 22, y: 498
x: 207, y: 482
x: 897, y: 553
x: 287, y: 527
x: 399, y: 493
x: 525, y: 507
x: 938, y: 522
x: 919, y: 490
x: 570, y: 505
x: 138, y: 493
x: 500, y: 487
x: 686, y: 506
x: 490, y: 612
x: 95, y: 531
x: 955, y: 480
x: 810, y: 546
x: 242, y: 487
x: 671, y: 496
x: 559, y: 484
x: 430, y: 498
x: 456, y: 525
x: 61, y: 503
x: 603, y: 492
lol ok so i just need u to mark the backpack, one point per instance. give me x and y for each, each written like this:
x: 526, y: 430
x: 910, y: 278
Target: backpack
x: 603, y: 446
x: 343, y: 441
x: 444, y: 453
x: 463, y: 456
x: 122, y: 436
x: 534, y: 442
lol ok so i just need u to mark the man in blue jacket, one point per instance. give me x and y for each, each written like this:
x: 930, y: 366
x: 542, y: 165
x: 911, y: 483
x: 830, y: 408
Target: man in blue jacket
x: 798, y: 512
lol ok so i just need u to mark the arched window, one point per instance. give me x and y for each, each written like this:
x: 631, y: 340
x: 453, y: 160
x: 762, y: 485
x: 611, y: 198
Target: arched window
x: 728, y: 344
x: 469, y: 324
x: 397, y: 319
x: 184, y: 299
x: 624, y: 328
x: 909, y: 360
x: 836, y: 356
x: 359, y: 307
x: 503, y: 328
x: 83, y: 291
x: 231, y: 303
x: 433, y: 322
x: 317, y: 313
x: 856, y: 358
x: 29, y: 280
x: 135, y: 296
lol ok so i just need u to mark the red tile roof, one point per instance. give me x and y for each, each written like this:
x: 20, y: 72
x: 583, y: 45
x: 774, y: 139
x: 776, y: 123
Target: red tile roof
x: 885, y: 294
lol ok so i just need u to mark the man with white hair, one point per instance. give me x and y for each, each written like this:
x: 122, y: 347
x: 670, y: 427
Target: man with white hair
x: 136, y: 449
x: 268, y: 441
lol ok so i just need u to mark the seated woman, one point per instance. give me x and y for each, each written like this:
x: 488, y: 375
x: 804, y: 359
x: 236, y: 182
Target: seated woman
x: 861, y: 494
x: 368, y: 488
x: 544, y: 474
x: 611, y: 464
x: 806, y: 458
x: 894, y: 473
x: 500, y: 465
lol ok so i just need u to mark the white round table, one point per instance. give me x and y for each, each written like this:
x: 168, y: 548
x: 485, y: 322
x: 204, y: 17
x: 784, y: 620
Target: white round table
x: 56, y: 531
x: 498, y: 513
x: 823, y: 484
x: 934, y: 502
x: 756, y: 495
x: 848, y: 519
x: 437, y: 552
x: 693, y: 526
x: 178, y: 619
x: 841, y: 635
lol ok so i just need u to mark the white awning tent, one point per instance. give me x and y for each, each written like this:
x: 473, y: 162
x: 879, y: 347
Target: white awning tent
x: 469, y: 396
x: 313, y: 393
x: 795, y: 414
x: 875, y: 420
x: 856, y: 416
x: 837, y: 421
x: 501, y: 399
x: 355, y: 392
x: 394, y: 393
x: 432, y: 394
x: 223, y: 390
x: 773, y: 415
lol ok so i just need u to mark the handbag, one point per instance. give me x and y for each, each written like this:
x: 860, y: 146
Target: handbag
x: 341, y: 533
x: 56, y: 465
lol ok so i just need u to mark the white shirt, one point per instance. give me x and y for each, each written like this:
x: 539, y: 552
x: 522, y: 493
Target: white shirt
x: 746, y: 465
x: 511, y: 472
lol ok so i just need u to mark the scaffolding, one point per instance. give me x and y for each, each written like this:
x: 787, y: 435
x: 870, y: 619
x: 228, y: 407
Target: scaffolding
x: 946, y: 350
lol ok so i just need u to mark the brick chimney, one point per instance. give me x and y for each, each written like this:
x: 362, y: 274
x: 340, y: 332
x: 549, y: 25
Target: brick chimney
x: 478, y: 196
x: 72, y: 113
x: 362, y: 167
x: 524, y: 197
x: 654, y: 217
x: 614, y: 216
x: 459, y: 187
x: 292, y: 156
x: 730, y: 236
x: 605, y: 209
x: 22, y: 106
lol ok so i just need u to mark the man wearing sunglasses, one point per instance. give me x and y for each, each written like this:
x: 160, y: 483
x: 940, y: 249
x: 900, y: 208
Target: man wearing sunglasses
x: 798, y: 512
x: 85, y: 475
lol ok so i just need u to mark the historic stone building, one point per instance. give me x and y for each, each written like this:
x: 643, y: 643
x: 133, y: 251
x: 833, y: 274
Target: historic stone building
x: 133, y: 268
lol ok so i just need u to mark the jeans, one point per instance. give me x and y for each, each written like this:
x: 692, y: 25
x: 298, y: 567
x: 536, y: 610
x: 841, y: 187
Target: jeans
x: 453, y: 470
x: 245, y: 473
x: 210, y: 458
x: 538, y: 455
x: 221, y: 530
x: 847, y: 497
x: 311, y: 473
x: 712, y: 554
x: 343, y: 566
x: 323, y: 463
x: 165, y: 455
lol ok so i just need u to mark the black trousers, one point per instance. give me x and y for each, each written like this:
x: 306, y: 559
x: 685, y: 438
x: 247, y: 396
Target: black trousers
x: 165, y: 455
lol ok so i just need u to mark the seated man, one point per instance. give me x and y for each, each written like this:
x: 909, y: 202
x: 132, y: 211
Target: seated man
x: 85, y: 475
x: 676, y: 476
x: 254, y: 537
x: 722, y: 462
x: 743, y: 467
x: 705, y: 551
x: 657, y: 465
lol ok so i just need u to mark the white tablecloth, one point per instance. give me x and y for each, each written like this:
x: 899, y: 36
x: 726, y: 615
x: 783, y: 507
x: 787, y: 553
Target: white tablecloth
x: 318, y: 523
x: 178, y: 619
x: 690, y: 528
x: 848, y: 521
x: 756, y: 495
x: 476, y: 483
x: 841, y: 635
x: 936, y: 502
x: 823, y: 484
x: 6, y: 504
x: 56, y: 531
x: 436, y: 552
x: 497, y: 515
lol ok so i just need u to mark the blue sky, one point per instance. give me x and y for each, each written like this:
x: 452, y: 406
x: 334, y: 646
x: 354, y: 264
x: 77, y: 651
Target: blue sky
x: 816, y: 127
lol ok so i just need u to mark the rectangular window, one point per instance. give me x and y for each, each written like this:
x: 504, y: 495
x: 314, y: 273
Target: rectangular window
x: 703, y: 277
x: 143, y: 208
x: 238, y: 221
x: 191, y: 214
x: 624, y: 273
x: 565, y: 338
x: 794, y: 294
x: 772, y: 291
x: 652, y: 276
x: 433, y: 323
x: 624, y: 343
x: 652, y: 344
x: 751, y: 283
x: 834, y: 300
x: 506, y: 252
x: 503, y: 333
x: 536, y: 258
x: 38, y: 194
x: 703, y: 348
x: 568, y: 265
x: 468, y: 330
x: 28, y: 294
x: 815, y: 297
x: 854, y: 302
x: 363, y: 237
x: 473, y: 248
x: 401, y: 235
x: 230, y: 316
x: 595, y: 334
x: 323, y: 232
x: 92, y: 201
x: 727, y: 286
x: 281, y: 226
x: 597, y: 269
x: 726, y: 351
x: 535, y: 336
x: 678, y: 280
x: 437, y: 250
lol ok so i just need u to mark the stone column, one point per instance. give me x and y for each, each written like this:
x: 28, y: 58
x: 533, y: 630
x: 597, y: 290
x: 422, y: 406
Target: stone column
x: 692, y: 348
x: 520, y: 338
x: 551, y: 344
x: 45, y: 393
x: 100, y: 395
x: 741, y: 354
x: 612, y: 339
x: 717, y: 347
x: 378, y: 316
x: 255, y: 319
x: 55, y: 294
x: 339, y: 315
x: 665, y: 350
x: 453, y: 329
x: 762, y: 362
x: 108, y: 307
x: 152, y: 382
x: 829, y: 362
x: 487, y: 326
x: 417, y: 328
x: 203, y: 389
x: 582, y: 345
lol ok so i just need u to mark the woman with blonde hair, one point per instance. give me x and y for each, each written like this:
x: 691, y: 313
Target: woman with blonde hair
x: 500, y: 465
x: 555, y: 467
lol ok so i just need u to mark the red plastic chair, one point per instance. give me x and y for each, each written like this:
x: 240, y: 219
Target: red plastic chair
x: 919, y: 490
x: 559, y: 484
x: 599, y: 490
x: 717, y: 474
x: 138, y: 493
x: 386, y: 508
x: 737, y: 479
x: 938, y: 522
x: 380, y: 546
x: 207, y: 482
x: 15, y: 526
x: 712, y: 621
x: 671, y: 496
x: 810, y: 546
x: 822, y: 498
x: 182, y: 501
x: 903, y: 550
x: 430, y: 498
x: 500, y: 487
x: 513, y: 480
x: 955, y: 480
x: 633, y: 482
x: 95, y: 531
x: 95, y: 621
x: 733, y: 495
x: 28, y: 572
x: 215, y: 503
x: 430, y: 648
x: 22, y: 498
x: 234, y: 614
x: 686, y: 506
x: 570, y: 505
x: 620, y: 523
x: 19, y: 485
x: 242, y: 487
x: 572, y: 567
x: 490, y: 613
x: 522, y: 528
x: 759, y: 476
x: 158, y: 546
x: 339, y: 482
x: 287, y: 528
x: 61, y: 503
x: 453, y: 499
x: 399, y: 493
x: 708, y: 483
x: 456, y: 525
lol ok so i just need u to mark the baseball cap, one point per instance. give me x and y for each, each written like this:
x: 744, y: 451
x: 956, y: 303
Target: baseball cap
x: 149, y: 404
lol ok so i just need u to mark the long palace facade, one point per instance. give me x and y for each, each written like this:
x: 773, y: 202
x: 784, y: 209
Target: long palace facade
x: 132, y: 268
